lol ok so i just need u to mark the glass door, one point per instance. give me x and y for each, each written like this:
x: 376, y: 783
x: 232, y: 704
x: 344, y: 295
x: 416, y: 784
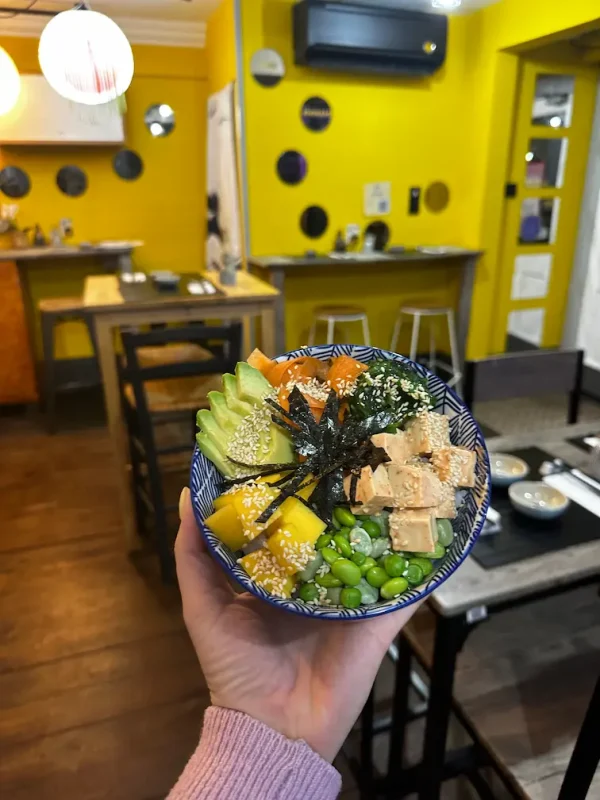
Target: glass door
x: 551, y: 136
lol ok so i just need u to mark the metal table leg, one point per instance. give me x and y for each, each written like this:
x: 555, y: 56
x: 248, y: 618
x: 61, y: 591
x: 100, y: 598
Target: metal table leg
x: 586, y: 755
x: 399, y: 718
x: 449, y: 638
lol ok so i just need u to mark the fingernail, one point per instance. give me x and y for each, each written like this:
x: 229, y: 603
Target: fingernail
x: 185, y: 493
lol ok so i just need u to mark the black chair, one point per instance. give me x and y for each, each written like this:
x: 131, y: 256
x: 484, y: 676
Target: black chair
x: 220, y: 349
x: 526, y: 374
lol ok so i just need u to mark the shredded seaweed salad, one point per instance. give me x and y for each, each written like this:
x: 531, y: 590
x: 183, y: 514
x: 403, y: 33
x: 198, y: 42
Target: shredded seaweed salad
x: 393, y: 388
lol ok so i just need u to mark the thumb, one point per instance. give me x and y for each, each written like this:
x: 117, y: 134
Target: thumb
x: 204, y: 588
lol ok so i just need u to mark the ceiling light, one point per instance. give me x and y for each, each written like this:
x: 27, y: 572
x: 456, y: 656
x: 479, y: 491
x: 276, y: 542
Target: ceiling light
x: 556, y: 122
x: 447, y: 5
x: 86, y: 57
x: 165, y: 111
x: 156, y: 129
x: 529, y: 156
x: 10, y: 83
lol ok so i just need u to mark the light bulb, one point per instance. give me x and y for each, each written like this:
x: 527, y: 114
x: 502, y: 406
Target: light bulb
x: 447, y: 5
x: 555, y: 122
x: 529, y: 156
x: 156, y: 129
x: 10, y: 83
x: 165, y: 111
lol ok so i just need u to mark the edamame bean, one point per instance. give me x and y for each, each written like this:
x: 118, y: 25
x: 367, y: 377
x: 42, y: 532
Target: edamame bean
x: 333, y: 595
x: 330, y: 555
x: 329, y: 581
x: 324, y: 540
x: 359, y: 559
x: 376, y: 577
x: 345, y: 532
x: 414, y: 574
x: 343, y: 546
x: 362, y: 517
x: 344, y: 517
x: 439, y: 552
x: 369, y: 564
x: 347, y: 572
x: 425, y: 565
x: 395, y: 565
x: 369, y: 595
x: 308, y: 592
x: 394, y: 588
x: 379, y: 547
x: 372, y: 528
x: 311, y: 569
x: 361, y: 541
x: 351, y: 598
x: 335, y: 524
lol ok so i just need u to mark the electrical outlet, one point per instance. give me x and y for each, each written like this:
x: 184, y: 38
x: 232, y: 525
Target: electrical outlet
x: 352, y: 233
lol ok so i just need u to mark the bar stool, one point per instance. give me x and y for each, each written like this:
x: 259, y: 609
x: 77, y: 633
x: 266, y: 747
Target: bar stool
x: 54, y: 311
x: 430, y: 313
x: 333, y: 315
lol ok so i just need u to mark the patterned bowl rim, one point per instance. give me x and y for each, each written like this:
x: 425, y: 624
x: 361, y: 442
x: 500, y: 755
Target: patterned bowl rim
x: 336, y: 613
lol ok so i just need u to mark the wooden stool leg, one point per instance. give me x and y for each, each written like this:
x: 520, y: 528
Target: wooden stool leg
x: 396, y: 333
x: 366, y: 331
x: 414, y: 345
x: 312, y: 336
x: 48, y: 322
x: 330, y: 330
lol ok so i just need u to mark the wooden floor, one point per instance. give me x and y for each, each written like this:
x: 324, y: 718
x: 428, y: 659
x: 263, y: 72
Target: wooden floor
x: 101, y: 695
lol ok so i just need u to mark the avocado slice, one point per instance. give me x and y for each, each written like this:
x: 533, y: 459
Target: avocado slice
x: 214, y: 454
x: 232, y: 399
x: 252, y: 386
x: 281, y: 450
x: 208, y: 424
x: 227, y: 419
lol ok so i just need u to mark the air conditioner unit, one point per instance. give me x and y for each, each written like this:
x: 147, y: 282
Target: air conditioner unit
x: 365, y: 38
x: 41, y: 116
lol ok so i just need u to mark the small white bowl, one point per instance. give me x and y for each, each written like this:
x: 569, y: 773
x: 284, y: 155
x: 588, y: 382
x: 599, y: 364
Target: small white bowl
x: 507, y: 469
x: 538, y: 500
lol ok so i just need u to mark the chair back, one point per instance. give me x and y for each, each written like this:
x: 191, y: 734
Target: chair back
x: 526, y: 374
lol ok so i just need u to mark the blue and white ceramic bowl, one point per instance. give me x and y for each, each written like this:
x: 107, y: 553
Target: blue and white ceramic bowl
x: 207, y: 484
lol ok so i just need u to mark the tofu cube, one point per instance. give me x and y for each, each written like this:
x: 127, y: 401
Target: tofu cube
x: 396, y: 445
x: 413, y: 530
x: 429, y: 432
x: 414, y: 487
x: 446, y: 509
x: 373, y: 491
x: 455, y: 465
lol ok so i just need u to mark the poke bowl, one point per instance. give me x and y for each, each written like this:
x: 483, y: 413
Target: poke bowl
x: 339, y: 482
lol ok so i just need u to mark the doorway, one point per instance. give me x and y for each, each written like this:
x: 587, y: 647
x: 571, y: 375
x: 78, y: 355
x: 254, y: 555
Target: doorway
x: 549, y: 152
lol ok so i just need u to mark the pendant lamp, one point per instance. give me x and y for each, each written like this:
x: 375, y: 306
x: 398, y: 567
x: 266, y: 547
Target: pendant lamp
x: 10, y: 83
x: 86, y: 57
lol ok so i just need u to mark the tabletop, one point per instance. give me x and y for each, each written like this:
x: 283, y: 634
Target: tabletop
x: 102, y: 293
x: 48, y: 253
x: 472, y: 585
x: 281, y: 262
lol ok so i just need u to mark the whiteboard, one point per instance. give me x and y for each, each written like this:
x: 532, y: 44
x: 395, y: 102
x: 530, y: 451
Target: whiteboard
x: 42, y: 116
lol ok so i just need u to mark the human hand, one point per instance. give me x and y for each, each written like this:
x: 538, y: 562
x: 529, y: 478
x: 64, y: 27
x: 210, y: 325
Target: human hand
x: 307, y: 679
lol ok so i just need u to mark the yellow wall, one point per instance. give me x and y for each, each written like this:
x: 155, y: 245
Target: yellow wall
x: 165, y: 208
x: 221, y: 57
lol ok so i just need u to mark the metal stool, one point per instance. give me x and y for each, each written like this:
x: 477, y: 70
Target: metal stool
x: 417, y: 312
x: 338, y: 314
x: 54, y: 311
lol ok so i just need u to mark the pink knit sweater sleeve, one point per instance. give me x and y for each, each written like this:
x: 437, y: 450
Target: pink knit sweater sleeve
x: 239, y: 757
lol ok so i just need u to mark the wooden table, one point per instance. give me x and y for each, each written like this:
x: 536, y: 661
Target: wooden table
x: 467, y: 599
x: 278, y: 267
x: 251, y: 297
x: 115, y: 257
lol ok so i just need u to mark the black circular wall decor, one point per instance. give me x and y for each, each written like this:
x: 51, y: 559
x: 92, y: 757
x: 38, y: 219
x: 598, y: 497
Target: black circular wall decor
x: 437, y: 197
x: 292, y: 167
x: 14, y: 182
x: 128, y: 165
x: 314, y: 222
x: 160, y: 120
x: 72, y: 181
x: 381, y: 231
x: 316, y: 114
x: 267, y: 67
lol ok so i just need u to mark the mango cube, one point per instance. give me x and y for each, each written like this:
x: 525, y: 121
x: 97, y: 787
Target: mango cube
x: 292, y: 548
x: 250, y: 502
x: 222, y: 501
x: 226, y: 524
x: 295, y: 515
x: 264, y: 570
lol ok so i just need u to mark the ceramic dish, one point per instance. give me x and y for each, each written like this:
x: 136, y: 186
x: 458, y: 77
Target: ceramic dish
x: 537, y: 500
x: 207, y: 484
x: 507, y: 469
